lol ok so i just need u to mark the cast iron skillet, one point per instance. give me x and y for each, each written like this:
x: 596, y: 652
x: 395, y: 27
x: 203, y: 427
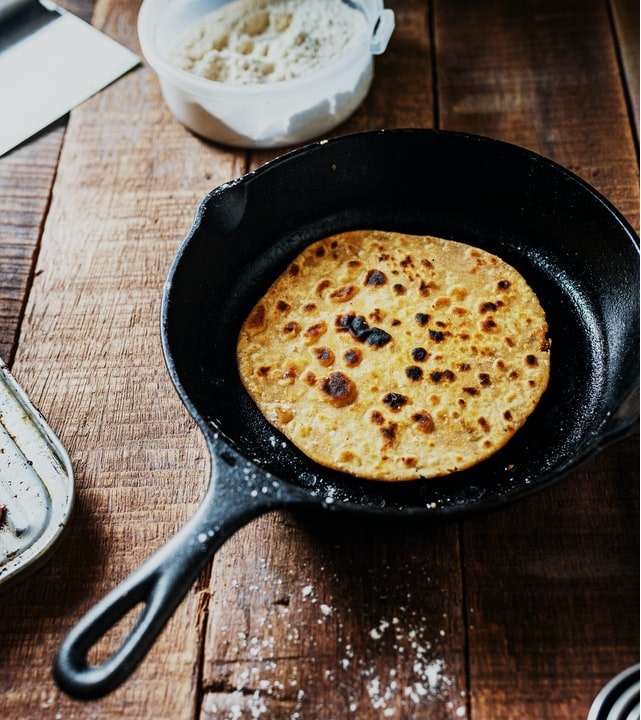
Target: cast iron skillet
x: 579, y: 255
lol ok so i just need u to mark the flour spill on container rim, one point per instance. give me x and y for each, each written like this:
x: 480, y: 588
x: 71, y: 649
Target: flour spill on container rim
x: 263, y: 676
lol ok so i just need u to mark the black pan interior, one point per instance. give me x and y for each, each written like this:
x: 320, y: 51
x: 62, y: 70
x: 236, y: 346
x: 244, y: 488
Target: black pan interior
x: 576, y: 252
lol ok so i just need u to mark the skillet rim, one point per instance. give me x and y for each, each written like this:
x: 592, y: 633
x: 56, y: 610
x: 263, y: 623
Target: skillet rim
x: 218, y: 441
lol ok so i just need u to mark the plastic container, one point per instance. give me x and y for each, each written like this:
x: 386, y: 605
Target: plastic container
x: 273, y: 114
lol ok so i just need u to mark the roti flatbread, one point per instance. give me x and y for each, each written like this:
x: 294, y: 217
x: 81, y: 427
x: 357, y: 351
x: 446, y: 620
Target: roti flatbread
x: 396, y: 357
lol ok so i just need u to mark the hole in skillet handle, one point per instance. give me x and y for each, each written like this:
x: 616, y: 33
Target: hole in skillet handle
x: 238, y: 492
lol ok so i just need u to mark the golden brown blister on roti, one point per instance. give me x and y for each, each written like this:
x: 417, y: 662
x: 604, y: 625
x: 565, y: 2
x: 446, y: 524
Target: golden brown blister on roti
x: 396, y: 357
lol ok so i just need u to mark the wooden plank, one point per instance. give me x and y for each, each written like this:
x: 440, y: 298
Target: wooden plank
x: 547, y: 80
x: 129, y: 181
x: 552, y: 593
x: 336, y: 619
x: 323, y: 618
x: 551, y: 585
x: 625, y: 14
x: 26, y: 178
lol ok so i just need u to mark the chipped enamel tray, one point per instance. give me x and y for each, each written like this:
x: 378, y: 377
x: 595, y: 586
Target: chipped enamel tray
x: 36, y: 484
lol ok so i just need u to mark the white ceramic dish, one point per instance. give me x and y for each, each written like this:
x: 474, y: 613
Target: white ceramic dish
x: 260, y: 115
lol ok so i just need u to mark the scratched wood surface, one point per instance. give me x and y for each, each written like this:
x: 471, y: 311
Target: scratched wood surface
x: 522, y: 614
x: 551, y: 587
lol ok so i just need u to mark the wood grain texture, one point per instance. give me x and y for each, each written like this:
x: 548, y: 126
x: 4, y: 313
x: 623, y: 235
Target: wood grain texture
x: 552, y: 608
x: 128, y: 184
x: 546, y: 78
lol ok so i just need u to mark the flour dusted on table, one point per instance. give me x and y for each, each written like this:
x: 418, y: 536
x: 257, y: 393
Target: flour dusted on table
x: 259, y: 41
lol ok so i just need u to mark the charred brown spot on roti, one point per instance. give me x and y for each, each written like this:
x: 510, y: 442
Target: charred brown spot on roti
x: 257, y: 318
x: 289, y: 375
x: 320, y: 251
x: 437, y: 335
x: 442, y: 302
x: 324, y: 356
x: 343, y: 294
x: 419, y: 354
x: 407, y: 261
x: 395, y: 401
x: 425, y: 287
x: 422, y: 318
x: 352, y: 357
x: 376, y: 315
x: 315, y: 331
x: 484, y: 424
x: 310, y: 307
x: 338, y: 389
x: 389, y: 434
x: 282, y: 306
x: 485, y: 379
x: 414, y: 372
x: 310, y: 378
x: 509, y: 342
x: 291, y: 329
x: 489, y: 325
x: 464, y: 367
x: 346, y: 456
x: 395, y: 322
x: 399, y: 289
x: 531, y: 360
x: 334, y: 244
x: 424, y: 422
x: 285, y: 415
x: 359, y: 329
x: 377, y: 418
x: 375, y: 278
x: 470, y: 391
x: 263, y: 370
x: 438, y: 375
x: 503, y: 284
x: 507, y: 415
x: 322, y: 286
x: 487, y: 307
x: 294, y: 269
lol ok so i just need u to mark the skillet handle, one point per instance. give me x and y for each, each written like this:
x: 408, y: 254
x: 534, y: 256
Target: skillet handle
x: 159, y: 584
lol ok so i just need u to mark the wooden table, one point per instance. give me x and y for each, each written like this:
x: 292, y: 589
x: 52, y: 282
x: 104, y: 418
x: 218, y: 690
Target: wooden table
x: 524, y: 613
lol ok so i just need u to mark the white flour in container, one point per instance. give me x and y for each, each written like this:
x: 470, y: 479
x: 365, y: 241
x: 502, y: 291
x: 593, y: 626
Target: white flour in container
x: 258, y: 41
